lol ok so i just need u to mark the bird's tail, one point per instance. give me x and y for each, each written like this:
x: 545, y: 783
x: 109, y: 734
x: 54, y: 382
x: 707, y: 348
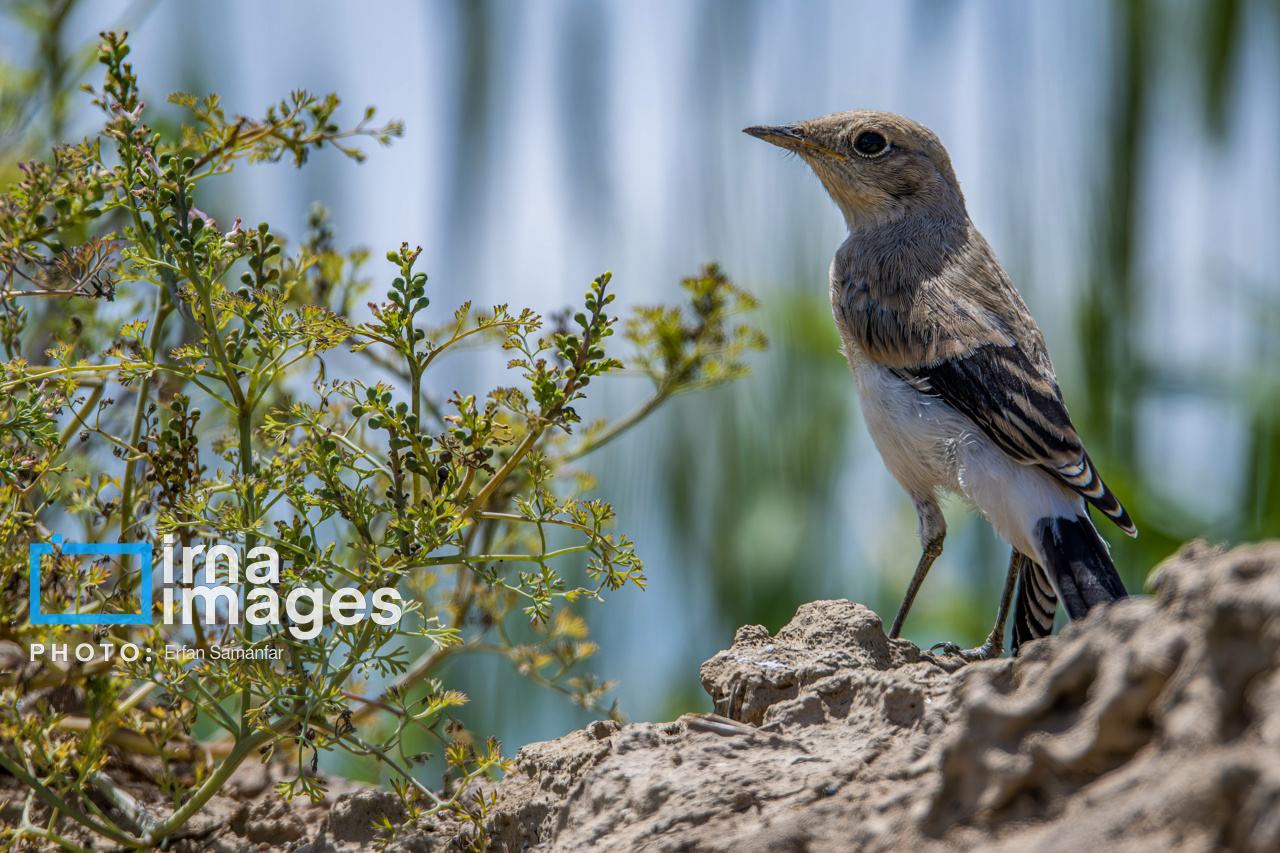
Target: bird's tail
x: 1036, y: 605
x: 1082, y: 573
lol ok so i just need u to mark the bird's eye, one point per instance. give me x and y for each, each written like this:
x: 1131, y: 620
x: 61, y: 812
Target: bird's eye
x: 869, y: 143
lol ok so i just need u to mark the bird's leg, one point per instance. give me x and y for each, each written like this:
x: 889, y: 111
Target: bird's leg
x: 932, y: 549
x: 994, y: 646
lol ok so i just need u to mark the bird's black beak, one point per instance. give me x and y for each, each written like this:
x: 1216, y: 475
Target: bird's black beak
x: 790, y: 137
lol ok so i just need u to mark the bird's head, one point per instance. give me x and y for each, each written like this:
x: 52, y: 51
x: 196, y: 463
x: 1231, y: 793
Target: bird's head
x: 878, y: 167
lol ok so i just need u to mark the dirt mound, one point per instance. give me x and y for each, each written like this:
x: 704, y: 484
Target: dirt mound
x: 1154, y: 725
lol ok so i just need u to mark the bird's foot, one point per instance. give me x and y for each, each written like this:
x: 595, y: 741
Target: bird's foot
x: 990, y: 650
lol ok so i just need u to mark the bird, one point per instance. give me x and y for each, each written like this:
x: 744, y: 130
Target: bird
x: 953, y: 375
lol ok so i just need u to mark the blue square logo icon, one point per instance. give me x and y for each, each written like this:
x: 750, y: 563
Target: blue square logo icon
x: 141, y: 549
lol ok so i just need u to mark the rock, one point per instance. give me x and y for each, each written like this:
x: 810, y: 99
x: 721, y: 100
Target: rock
x: 755, y: 681
x: 545, y: 776
x: 352, y: 822
x: 1152, y: 725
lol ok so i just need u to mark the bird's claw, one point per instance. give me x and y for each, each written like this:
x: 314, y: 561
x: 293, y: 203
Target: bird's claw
x: 987, y: 651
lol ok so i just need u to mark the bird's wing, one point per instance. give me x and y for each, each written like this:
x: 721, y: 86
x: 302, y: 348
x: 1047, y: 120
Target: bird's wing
x: 1015, y: 405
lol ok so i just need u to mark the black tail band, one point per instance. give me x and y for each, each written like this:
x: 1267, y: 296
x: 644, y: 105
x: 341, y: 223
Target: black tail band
x: 1078, y: 561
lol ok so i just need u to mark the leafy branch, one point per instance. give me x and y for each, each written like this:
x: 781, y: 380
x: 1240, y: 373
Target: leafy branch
x: 246, y: 398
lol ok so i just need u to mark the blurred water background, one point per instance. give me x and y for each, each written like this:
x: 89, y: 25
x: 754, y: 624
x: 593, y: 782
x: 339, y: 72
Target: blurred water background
x: 1121, y: 158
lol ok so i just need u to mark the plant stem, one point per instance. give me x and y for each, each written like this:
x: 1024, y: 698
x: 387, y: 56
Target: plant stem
x: 127, y: 805
x: 58, y: 371
x: 94, y: 396
x: 57, y: 802
x: 616, y: 428
x: 420, y: 669
x: 211, y: 786
x: 47, y: 835
x: 530, y: 439
x: 135, y: 431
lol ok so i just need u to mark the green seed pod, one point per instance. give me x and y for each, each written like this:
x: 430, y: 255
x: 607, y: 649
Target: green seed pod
x: 393, y: 257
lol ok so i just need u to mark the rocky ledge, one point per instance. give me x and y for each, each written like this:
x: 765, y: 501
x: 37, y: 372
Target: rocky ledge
x: 1153, y: 725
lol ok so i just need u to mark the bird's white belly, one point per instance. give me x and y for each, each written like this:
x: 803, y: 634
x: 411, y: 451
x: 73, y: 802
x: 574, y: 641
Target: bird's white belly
x: 930, y: 447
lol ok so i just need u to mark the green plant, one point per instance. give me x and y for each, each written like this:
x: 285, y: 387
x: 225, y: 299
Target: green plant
x: 190, y: 395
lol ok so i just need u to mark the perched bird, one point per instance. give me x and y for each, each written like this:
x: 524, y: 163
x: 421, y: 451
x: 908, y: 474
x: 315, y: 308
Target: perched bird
x: 953, y: 375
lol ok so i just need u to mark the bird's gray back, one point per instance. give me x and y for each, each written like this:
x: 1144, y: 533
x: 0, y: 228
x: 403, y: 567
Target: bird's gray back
x: 924, y: 290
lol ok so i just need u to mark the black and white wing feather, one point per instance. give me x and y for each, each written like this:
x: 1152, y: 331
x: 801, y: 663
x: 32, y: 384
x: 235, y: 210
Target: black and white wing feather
x: 1002, y: 392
